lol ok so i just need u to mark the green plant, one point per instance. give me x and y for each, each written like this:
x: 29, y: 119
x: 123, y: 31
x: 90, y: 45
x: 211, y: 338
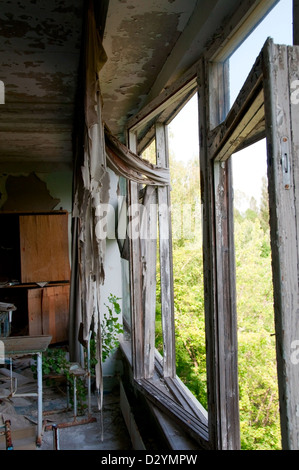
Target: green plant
x: 110, y: 327
x: 259, y: 404
x: 55, y: 363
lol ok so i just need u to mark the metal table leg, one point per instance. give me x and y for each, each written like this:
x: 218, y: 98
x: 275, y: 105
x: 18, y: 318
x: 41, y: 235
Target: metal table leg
x: 39, y: 398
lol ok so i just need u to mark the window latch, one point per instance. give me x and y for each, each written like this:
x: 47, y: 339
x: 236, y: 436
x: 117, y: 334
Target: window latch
x: 285, y: 162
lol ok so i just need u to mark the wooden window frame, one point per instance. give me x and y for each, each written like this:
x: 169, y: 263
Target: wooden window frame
x: 149, y: 369
x: 222, y: 132
x: 263, y: 108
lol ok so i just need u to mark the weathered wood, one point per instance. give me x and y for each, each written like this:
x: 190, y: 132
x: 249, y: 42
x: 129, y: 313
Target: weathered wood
x: 174, y: 93
x: 226, y: 322
x: 172, y: 431
x: 35, y: 319
x: 137, y: 315
x: 219, y: 273
x: 236, y: 28
x: 165, y: 249
x: 44, y: 247
x: 281, y: 105
x: 55, y: 312
x: 187, y: 421
x: 19, y: 345
x: 207, y: 200
x: 296, y: 22
x: 180, y: 392
x: 48, y: 312
x: 248, y: 123
x: 258, y: 133
x: 282, y: 123
x: 128, y: 416
x: 149, y: 254
x: 218, y: 98
x: 243, y: 117
x: 293, y: 57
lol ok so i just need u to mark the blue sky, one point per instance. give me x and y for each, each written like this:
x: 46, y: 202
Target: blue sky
x: 250, y: 165
x: 278, y: 26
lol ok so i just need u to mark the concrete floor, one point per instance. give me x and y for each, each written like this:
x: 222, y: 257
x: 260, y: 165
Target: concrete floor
x: 88, y: 436
x: 22, y: 413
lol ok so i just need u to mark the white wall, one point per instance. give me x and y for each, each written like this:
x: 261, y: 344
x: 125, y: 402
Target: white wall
x: 113, y: 269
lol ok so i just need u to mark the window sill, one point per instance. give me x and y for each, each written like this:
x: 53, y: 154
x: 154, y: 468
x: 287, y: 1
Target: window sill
x: 171, y: 397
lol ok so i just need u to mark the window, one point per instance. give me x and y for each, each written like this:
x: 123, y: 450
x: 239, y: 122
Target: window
x: 223, y: 132
x: 260, y: 105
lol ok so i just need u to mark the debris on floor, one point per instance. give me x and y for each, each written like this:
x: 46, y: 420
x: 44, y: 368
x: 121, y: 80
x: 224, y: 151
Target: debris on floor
x: 62, y: 430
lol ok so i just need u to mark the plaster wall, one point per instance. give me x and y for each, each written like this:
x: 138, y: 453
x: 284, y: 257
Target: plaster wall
x: 113, y: 272
x: 48, y: 191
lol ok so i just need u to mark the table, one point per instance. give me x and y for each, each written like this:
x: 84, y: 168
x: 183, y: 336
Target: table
x: 15, y: 346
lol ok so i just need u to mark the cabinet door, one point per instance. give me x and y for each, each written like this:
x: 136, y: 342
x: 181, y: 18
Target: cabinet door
x: 35, y: 320
x: 44, y: 248
x: 55, y: 312
x: 48, y: 312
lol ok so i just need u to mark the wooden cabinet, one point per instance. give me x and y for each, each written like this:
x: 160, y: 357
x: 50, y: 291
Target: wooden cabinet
x: 35, y: 271
x: 34, y: 247
x: 48, y: 312
x: 44, y: 248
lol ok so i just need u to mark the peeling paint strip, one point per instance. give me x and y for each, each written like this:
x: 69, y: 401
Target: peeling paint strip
x: 125, y: 163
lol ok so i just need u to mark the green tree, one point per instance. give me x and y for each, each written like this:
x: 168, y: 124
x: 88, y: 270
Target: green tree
x: 259, y: 415
x: 185, y: 201
x: 189, y: 319
x: 264, y: 207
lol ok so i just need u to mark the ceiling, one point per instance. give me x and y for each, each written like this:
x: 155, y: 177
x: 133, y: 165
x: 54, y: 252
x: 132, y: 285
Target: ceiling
x: 149, y: 44
x: 40, y: 49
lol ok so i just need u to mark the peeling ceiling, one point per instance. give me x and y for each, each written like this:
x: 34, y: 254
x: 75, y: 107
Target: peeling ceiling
x: 137, y: 42
x: 40, y: 47
x: 149, y: 44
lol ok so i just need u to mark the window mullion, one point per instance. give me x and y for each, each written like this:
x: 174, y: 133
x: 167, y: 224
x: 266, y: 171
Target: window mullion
x: 149, y: 263
x: 137, y: 315
x: 219, y: 274
x: 165, y: 249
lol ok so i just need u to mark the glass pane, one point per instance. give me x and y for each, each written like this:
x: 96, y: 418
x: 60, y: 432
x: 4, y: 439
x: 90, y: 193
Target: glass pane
x: 187, y: 250
x: 259, y: 409
x: 277, y: 25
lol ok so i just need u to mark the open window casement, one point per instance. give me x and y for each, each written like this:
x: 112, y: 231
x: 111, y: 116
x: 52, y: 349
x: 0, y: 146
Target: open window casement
x: 155, y: 376
x: 267, y: 106
x: 282, y: 125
